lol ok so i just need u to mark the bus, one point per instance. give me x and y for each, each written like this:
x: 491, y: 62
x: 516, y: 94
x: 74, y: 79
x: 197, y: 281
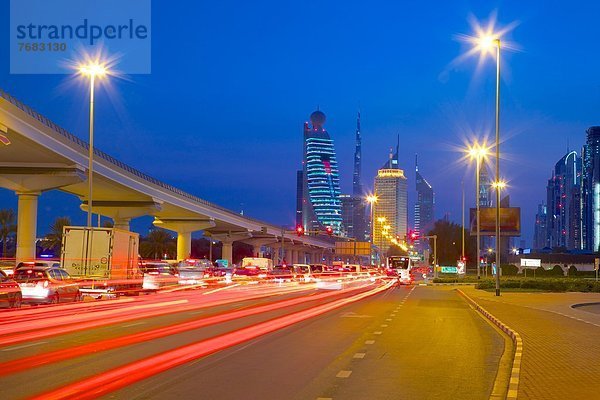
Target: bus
x: 401, y: 267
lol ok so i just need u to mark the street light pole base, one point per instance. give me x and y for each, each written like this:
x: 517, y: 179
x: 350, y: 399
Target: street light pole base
x: 497, y: 292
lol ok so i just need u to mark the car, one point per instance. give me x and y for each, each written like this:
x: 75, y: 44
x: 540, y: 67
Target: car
x: 192, y: 272
x: 43, y: 284
x: 10, y: 292
x: 158, y: 274
x: 282, y: 273
x: 38, y: 263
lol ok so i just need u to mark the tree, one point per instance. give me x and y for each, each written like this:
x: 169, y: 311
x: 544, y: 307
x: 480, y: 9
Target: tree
x: 157, y: 243
x: 53, y: 239
x: 8, y: 227
x: 449, y: 244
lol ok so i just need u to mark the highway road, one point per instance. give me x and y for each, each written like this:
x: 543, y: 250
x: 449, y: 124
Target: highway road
x: 255, y: 341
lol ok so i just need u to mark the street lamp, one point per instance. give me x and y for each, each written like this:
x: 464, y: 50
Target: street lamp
x: 92, y: 71
x: 478, y: 152
x: 486, y: 43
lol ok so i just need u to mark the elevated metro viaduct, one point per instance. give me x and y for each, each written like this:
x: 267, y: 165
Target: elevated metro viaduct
x: 36, y: 155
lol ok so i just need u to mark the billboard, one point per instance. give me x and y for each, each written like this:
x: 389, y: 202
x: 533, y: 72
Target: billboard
x: 531, y: 262
x: 353, y: 248
x: 510, y: 221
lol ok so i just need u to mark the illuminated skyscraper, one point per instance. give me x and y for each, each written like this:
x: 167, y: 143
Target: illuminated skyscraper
x: 590, y: 190
x: 563, y: 221
x: 390, y: 211
x: 321, y: 205
x: 354, y: 211
x: 424, y: 206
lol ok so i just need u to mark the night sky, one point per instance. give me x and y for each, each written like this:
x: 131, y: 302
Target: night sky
x: 232, y: 83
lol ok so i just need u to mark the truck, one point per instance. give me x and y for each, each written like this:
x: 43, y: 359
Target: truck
x: 104, y: 260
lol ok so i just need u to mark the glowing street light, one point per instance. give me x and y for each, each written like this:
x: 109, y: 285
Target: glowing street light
x: 478, y: 153
x: 486, y: 42
x: 92, y: 71
x: 372, y: 199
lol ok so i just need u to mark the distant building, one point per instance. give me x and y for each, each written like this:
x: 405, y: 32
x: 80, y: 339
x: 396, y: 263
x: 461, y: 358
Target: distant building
x: 321, y: 205
x: 540, y: 233
x: 590, y: 190
x: 353, y: 217
x: 299, y: 196
x: 424, y: 205
x: 563, y: 219
x: 390, y: 211
x: 357, y: 188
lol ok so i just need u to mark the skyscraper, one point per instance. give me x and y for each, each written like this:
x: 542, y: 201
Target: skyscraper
x: 354, y: 212
x: 353, y: 217
x: 590, y: 190
x: 540, y: 233
x: 424, y: 206
x: 321, y: 206
x: 357, y: 189
x: 563, y: 219
x: 390, y: 212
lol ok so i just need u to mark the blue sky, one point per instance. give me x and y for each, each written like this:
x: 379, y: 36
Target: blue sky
x: 232, y: 83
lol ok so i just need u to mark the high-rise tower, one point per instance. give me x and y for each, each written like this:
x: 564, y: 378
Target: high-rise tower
x: 390, y: 211
x: 590, y: 190
x: 424, y: 206
x: 321, y: 206
x: 357, y: 189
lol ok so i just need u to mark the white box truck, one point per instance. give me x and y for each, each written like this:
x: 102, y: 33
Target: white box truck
x: 104, y: 259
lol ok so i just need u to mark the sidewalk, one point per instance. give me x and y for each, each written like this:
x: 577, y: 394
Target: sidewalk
x: 561, y: 350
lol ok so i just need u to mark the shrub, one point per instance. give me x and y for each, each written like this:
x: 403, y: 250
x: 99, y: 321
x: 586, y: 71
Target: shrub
x: 572, y: 271
x: 509, y: 270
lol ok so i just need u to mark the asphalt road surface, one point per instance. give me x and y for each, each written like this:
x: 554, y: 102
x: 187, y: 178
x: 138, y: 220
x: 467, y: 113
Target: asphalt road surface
x: 401, y: 343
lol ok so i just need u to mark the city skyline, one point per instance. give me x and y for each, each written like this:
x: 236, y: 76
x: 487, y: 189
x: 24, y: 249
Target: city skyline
x: 436, y: 107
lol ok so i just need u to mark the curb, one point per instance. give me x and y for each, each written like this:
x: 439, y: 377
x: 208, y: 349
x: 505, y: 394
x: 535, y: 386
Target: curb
x: 513, y: 386
x: 577, y: 305
x: 454, y: 284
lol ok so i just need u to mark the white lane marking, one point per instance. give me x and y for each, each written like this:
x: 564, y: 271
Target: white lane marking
x: 384, y: 325
x: 369, y: 342
x: 23, y: 346
x: 377, y: 333
x: 324, y: 398
x: 359, y: 355
x: 343, y: 374
x: 196, y: 312
x: 219, y: 289
x: 134, y: 324
x: 388, y: 319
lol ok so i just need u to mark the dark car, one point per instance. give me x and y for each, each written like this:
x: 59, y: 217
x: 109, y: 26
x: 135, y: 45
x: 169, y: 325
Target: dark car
x: 158, y: 274
x: 282, y: 273
x: 10, y: 292
x: 46, y: 285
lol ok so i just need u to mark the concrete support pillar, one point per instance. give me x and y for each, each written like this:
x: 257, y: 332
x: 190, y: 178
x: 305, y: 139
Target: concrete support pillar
x: 184, y: 245
x: 256, y: 250
x: 275, y: 254
x: 227, y: 251
x: 184, y: 229
x: 122, y: 223
x: 26, y: 226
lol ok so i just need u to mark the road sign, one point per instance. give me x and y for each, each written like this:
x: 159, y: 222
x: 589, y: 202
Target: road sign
x: 531, y: 262
x: 597, y: 264
x: 460, y: 267
x: 223, y: 263
x: 449, y: 270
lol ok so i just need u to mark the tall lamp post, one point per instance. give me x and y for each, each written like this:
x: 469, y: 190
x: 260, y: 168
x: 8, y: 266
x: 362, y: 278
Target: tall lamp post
x: 477, y: 152
x: 91, y: 71
x: 485, y: 44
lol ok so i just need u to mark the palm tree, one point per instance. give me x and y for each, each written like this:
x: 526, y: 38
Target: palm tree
x: 157, y: 243
x: 53, y: 239
x: 8, y: 227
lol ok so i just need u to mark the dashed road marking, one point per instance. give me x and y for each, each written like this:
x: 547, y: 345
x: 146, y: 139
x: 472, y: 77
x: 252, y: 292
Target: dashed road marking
x: 384, y: 325
x: 388, y: 319
x: 134, y: 324
x: 343, y: 374
x: 23, y: 346
x: 369, y: 342
x: 359, y: 355
x: 377, y: 333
